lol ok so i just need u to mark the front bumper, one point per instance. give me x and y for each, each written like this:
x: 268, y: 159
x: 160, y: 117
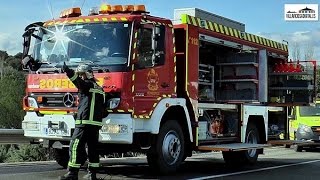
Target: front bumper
x: 117, y: 128
x: 302, y: 135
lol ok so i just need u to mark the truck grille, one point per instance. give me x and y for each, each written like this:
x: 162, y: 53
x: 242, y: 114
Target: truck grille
x: 56, y: 100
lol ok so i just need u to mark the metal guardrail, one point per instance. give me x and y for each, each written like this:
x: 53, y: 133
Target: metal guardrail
x: 13, y: 136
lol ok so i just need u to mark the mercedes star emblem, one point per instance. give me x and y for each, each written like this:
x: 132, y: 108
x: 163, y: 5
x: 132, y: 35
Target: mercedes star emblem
x: 68, y: 100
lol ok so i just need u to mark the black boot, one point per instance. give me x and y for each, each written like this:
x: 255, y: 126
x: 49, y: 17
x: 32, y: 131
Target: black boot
x: 90, y: 176
x: 69, y: 176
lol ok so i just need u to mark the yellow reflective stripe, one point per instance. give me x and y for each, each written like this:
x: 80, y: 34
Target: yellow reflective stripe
x: 70, y: 164
x: 74, y: 151
x: 94, y: 164
x: 92, y: 106
x: 78, y: 122
x: 74, y: 77
x: 96, y: 91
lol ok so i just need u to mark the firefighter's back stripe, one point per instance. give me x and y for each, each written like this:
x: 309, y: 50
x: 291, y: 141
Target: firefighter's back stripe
x: 187, y: 19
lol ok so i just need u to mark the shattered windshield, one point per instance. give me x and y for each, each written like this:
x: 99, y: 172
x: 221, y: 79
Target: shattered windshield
x: 102, y: 44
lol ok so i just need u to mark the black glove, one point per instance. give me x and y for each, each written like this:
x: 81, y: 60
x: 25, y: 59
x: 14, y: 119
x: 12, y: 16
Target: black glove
x: 65, y: 68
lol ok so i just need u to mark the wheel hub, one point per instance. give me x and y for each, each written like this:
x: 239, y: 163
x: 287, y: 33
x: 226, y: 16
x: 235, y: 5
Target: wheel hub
x: 171, y: 147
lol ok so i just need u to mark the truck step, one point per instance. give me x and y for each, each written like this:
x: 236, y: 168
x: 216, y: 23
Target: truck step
x: 292, y: 142
x: 232, y: 147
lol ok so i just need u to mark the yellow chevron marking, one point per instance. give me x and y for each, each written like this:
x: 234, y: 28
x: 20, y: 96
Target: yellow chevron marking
x: 174, y: 49
x: 268, y: 43
x: 211, y: 26
x: 249, y: 37
x: 253, y: 38
x: 164, y: 95
x: 199, y: 21
x: 188, y: 19
x: 193, y: 21
x: 271, y: 43
x: 140, y: 116
x: 133, y: 76
x: 134, y: 56
x: 221, y: 28
x: 124, y: 19
x: 109, y: 110
x: 104, y: 19
x: 120, y: 110
x: 96, y: 20
x: 264, y: 41
x: 150, y: 112
x: 135, y: 116
x: 170, y: 25
x: 236, y: 33
x: 225, y: 28
x: 132, y: 88
x: 216, y: 27
x: 130, y: 110
x: 147, y: 117
x: 231, y: 31
x: 175, y: 78
x: 50, y: 23
x: 158, y: 98
x: 154, y: 105
x: 80, y: 21
x: 87, y: 20
x: 136, y: 35
x: 175, y: 59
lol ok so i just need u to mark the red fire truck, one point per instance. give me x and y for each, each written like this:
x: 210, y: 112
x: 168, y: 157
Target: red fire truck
x: 199, y: 83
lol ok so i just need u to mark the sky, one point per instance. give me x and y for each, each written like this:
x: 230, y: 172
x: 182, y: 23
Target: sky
x: 264, y: 18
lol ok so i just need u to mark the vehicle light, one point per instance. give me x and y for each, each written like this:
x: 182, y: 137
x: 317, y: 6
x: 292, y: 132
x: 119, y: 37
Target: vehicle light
x: 39, y: 99
x: 105, y: 9
x: 31, y: 126
x: 114, y: 128
x: 32, y: 102
x: 127, y: 8
x: 304, y: 128
x: 93, y: 11
x: 72, y: 12
x: 116, y: 8
x: 139, y: 8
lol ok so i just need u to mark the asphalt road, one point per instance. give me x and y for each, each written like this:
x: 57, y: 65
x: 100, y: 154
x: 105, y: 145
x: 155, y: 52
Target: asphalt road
x: 276, y: 163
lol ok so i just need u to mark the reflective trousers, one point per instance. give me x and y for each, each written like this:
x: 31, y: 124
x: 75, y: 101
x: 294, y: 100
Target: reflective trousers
x: 81, y: 136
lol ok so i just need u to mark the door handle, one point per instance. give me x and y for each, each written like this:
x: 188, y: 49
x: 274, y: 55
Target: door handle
x: 164, y: 85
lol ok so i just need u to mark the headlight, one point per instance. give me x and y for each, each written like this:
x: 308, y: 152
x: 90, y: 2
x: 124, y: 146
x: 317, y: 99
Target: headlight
x: 114, y: 128
x: 304, y: 128
x: 113, y: 103
x: 32, y: 102
x: 30, y: 126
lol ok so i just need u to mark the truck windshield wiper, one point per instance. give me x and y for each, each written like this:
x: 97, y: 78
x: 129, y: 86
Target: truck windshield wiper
x: 96, y: 66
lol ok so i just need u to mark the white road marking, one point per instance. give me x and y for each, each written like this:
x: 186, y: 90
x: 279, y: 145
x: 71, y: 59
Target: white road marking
x: 255, y: 170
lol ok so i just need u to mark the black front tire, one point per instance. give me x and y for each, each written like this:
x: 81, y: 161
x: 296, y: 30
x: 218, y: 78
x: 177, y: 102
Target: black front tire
x: 167, y: 152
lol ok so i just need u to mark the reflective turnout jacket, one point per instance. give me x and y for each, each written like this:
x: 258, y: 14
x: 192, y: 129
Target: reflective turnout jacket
x: 91, y: 101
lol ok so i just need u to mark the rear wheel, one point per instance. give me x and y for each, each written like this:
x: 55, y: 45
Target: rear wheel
x: 297, y: 148
x: 167, y: 152
x: 249, y: 156
x: 61, y: 156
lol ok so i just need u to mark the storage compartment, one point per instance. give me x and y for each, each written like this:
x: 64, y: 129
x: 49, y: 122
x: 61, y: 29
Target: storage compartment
x: 227, y: 74
x: 291, y: 83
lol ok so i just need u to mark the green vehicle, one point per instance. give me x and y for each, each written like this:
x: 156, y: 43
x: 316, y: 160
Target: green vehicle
x: 304, y: 125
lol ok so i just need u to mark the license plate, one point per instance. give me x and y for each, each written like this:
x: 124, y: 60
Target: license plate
x: 57, y: 132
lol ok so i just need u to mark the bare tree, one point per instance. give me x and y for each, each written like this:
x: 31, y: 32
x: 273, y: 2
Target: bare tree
x: 308, y: 51
x: 296, y: 51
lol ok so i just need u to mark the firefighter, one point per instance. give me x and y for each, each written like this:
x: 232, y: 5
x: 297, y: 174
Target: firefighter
x: 88, y: 122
